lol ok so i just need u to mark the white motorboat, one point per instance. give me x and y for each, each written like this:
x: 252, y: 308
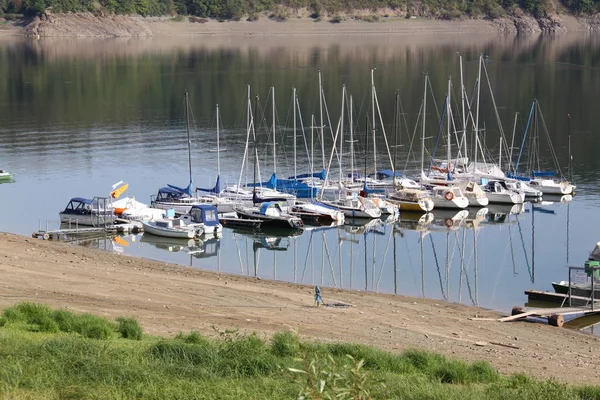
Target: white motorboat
x: 476, y: 196
x: 319, y: 211
x: 525, y: 188
x: 131, y: 209
x: 448, y: 197
x: 5, y: 176
x: 91, y: 212
x: 551, y: 186
x: 173, y: 228
x: 355, y: 207
x: 498, y: 192
x: 204, y: 216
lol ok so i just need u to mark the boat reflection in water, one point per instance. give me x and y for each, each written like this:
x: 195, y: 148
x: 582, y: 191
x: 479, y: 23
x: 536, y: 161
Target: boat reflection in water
x: 194, y: 247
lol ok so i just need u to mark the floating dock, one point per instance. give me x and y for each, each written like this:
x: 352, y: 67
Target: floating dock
x: 559, y: 298
x: 122, y: 226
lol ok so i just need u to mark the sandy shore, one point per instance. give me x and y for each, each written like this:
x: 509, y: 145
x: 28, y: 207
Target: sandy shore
x: 168, y: 299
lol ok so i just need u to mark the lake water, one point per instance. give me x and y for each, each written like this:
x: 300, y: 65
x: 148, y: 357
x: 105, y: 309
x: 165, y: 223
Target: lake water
x: 79, y: 115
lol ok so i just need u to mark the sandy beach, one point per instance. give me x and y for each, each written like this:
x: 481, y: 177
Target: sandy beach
x: 168, y: 299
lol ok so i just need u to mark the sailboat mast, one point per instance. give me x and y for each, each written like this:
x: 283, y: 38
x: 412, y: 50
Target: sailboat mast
x: 462, y: 96
x: 218, y: 146
x: 294, y: 106
x: 366, y: 148
x: 373, y: 126
x: 396, y: 124
x: 351, y: 141
x: 187, y: 128
x: 448, y: 118
x: 512, y: 142
x: 570, y: 155
x: 342, y: 130
x: 274, y: 147
x: 312, y: 143
x: 321, y: 120
x: 477, y: 111
x: 424, y: 112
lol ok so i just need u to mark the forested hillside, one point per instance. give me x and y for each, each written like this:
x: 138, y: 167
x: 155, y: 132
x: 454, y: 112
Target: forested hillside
x: 283, y: 9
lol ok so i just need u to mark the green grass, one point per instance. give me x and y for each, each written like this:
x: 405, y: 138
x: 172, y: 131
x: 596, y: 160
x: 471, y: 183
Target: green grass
x: 50, y: 354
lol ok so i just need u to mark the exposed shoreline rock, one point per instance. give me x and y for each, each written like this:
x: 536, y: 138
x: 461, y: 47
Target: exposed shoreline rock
x: 112, y: 26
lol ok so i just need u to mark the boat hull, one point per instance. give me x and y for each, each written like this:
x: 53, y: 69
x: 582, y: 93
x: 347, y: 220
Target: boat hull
x: 150, y: 227
x: 271, y: 221
x: 87, y: 220
x: 583, y: 290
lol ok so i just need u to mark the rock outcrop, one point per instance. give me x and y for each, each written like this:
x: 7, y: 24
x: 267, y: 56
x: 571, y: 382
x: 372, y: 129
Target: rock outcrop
x: 87, y: 25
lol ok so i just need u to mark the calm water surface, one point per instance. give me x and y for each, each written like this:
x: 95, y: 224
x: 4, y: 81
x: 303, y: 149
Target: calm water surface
x: 78, y: 116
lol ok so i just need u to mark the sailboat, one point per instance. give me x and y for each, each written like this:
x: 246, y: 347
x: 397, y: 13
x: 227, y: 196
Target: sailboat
x: 544, y: 181
x: 352, y: 205
x: 269, y: 213
x: 182, y: 199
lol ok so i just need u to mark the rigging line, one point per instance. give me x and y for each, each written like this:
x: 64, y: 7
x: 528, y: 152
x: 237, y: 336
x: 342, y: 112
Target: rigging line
x: 239, y: 254
x: 410, y: 147
x: 497, y: 115
x: 437, y: 265
x: 387, y: 246
x: 437, y: 111
x: 302, y: 129
x: 308, y: 251
x: 512, y: 250
x: 552, y: 151
x: 331, y: 268
x: 523, y: 245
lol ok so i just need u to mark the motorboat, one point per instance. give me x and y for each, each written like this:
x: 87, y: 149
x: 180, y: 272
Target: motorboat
x: 131, y: 209
x: 5, y: 176
x: 180, y: 201
x: 271, y: 215
x: 476, y: 196
x: 354, y: 207
x: 204, y: 216
x: 524, y: 187
x: 412, y: 200
x: 91, y: 212
x: 172, y: 228
x: 551, y: 186
x: 499, y: 192
x: 318, y: 213
x: 448, y: 197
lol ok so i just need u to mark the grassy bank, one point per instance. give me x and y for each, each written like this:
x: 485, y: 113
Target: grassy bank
x: 48, y: 354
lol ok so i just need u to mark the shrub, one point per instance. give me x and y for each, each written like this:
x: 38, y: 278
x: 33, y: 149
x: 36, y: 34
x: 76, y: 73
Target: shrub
x: 285, y: 344
x: 336, y: 19
x: 49, y: 325
x: 31, y: 313
x: 66, y: 320
x: 129, y: 328
x: 193, y: 338
x: 90, y: 326
x: 280, y: 14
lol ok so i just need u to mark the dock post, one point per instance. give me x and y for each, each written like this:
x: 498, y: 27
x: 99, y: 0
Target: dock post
x: 570, y: 269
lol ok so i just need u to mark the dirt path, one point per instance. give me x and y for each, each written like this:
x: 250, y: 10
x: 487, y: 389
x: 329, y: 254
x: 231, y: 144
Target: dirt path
x: 168, y: 299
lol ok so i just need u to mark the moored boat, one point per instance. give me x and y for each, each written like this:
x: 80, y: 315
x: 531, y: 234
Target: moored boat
x: 173, y: 228
x: 91, y: 212
x: 271, y: 216
x: 5, y: 176
x: 412, y: 200
x: 448, y: 197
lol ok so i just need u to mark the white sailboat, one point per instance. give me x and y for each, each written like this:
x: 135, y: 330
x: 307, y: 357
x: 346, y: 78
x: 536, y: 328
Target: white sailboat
x: 448, y: 197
